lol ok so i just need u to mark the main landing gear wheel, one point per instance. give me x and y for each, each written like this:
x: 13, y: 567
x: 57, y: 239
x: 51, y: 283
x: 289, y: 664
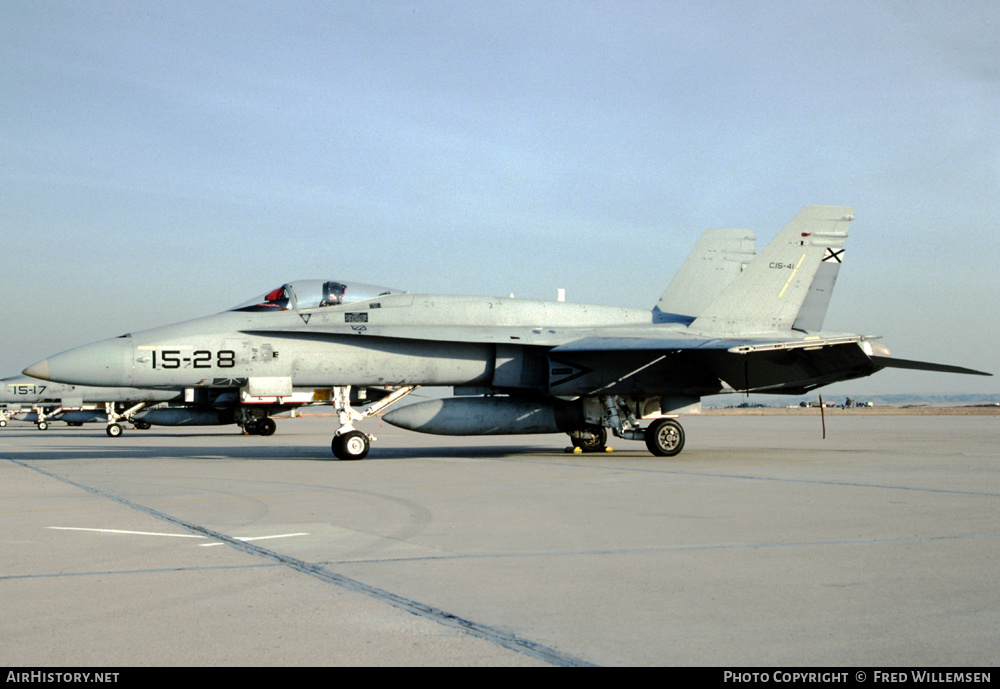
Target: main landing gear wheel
x: 351, y: 445
x: 595, y: 443
x: 114, y: 430
x: 42, y: 425
x: 665, y: 438
x: 266, y: 426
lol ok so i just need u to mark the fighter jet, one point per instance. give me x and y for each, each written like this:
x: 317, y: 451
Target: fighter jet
x: 525, y: 366
x: 40, y: 402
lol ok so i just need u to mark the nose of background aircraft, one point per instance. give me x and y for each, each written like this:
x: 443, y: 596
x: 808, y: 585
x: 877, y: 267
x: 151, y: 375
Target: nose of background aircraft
x: 107, y: 363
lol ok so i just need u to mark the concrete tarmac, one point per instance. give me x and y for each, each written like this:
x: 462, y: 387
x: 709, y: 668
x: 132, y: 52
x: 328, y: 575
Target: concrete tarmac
x: 760, y: 545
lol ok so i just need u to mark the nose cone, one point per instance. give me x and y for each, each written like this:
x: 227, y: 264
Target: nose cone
x: 106, y: 363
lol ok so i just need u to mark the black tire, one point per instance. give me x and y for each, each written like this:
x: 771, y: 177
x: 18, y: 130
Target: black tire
x: 266, y: 426
x: 42, y: 425
x: 351, y: 446
x: 597, y: 443
x: 114, y: 430
x: 665, y: 438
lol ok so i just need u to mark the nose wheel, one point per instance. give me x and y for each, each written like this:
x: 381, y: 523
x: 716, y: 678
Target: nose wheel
x: 351, y: 445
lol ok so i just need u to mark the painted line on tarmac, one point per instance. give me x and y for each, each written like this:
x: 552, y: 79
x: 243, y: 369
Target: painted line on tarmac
x: 480, y: 631
x: 121, y: 531
x: 174, y: 535
x: 245, y: 539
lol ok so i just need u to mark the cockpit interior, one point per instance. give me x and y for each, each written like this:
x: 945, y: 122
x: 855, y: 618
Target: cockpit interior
x: 314, y: 294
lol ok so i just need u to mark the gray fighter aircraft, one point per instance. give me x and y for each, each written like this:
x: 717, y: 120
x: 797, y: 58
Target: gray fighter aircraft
x: 725, y: 324
x: 41, y: 401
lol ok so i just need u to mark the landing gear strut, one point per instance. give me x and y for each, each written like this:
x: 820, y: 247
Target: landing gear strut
x: 349, y: 443
x: 43, y: 414
x: 114, y: 429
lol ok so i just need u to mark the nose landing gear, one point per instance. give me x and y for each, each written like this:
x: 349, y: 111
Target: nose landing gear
x: 348, y: 442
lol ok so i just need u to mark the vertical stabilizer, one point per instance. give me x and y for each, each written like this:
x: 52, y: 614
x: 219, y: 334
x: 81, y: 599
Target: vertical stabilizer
x: 718, y: 257
x: 770, y: 294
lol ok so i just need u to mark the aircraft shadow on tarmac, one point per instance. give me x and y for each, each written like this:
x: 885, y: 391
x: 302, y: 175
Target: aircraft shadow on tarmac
x: 91, y: 446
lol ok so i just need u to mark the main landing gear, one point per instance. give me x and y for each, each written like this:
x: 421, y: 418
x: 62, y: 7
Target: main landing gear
x: 262, y: 426
x: 349, y: 443
x: 664, y: 437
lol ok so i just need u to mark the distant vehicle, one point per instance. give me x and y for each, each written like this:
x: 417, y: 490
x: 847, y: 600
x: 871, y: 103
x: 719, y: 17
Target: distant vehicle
x: 525, y: 366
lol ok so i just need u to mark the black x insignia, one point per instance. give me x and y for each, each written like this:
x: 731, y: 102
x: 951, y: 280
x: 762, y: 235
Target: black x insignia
x: 832, y: 255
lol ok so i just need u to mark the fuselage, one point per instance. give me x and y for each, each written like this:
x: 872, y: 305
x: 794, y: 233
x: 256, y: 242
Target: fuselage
x: 306, y: 334
x: 394, y: 339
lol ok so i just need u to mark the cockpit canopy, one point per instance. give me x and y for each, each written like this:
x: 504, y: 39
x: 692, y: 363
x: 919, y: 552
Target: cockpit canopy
x: 314, y: 294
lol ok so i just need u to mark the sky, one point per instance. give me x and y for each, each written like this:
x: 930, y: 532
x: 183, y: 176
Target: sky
x: 162, y: 160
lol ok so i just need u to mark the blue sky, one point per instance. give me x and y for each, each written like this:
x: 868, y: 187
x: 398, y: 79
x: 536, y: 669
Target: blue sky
x: 163, y: 160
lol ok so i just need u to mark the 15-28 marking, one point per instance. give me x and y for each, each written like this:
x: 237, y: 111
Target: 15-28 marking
x: 202, y: 358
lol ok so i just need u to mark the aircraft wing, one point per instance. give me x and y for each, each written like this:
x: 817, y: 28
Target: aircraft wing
x: 649, y: 358
x: 595, y: 344
x: 702, y: 366
x: 562, y: 340
x: 666, y: 344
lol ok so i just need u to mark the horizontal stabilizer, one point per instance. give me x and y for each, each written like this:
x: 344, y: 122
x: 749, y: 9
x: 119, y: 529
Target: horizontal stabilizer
x: 890, y: 362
